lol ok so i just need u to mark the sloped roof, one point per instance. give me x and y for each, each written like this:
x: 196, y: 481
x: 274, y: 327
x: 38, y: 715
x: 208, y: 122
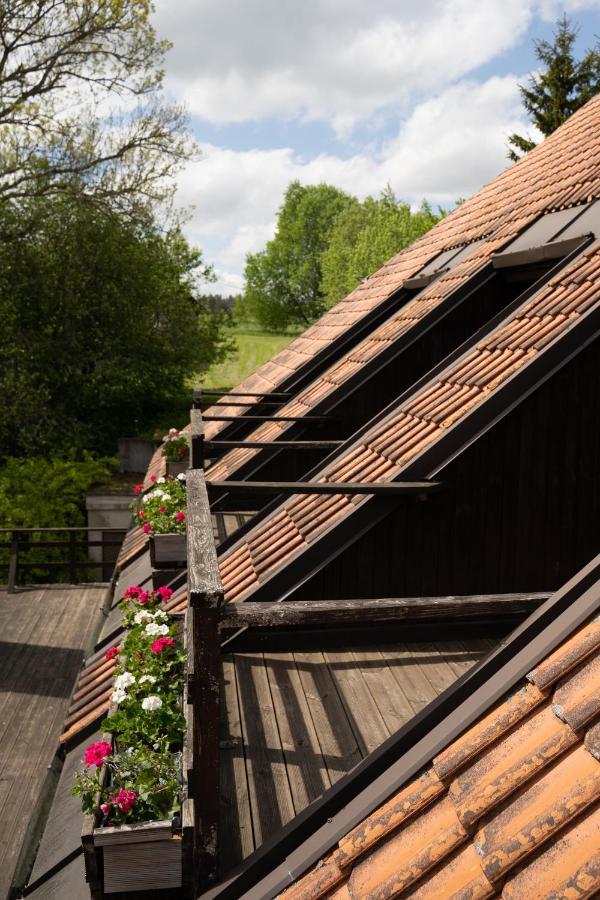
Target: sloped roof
x: 416, y: 424
x: 510, y: 809
x: 561, y: 172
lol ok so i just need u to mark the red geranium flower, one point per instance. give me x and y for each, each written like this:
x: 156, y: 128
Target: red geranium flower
x: 161, y: 643
x: 147, y: 528
x: 164, y: 593
x: 95, y: 753
x: 110, y: 654
x: 180, y: 517
x: 153, y: 478
x: 138, y: 489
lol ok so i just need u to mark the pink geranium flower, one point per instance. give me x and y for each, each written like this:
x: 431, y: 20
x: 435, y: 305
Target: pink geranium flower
x: 180, y: 517
x: 110, y: 654
x: 138, y: 489
x: 95, y: 753
x: 106, y: 808
x: 125, y: 800
x: 164, y: 593
x: 162, y: 508
x: 161, y: 643
x: 153, y: 478
x: 147, y: 528
x: 143, y: 597
x: 132, y: 592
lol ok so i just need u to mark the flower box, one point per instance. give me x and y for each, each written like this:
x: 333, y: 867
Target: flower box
x: 177, y: 467
x: 147, y: 856
x: 168, y: 550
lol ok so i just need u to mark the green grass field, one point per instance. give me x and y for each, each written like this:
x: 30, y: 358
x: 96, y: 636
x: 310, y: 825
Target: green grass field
x: 253, y: 349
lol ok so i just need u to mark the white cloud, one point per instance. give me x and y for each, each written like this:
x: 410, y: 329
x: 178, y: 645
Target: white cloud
x: 449, y: 146
x: 327, y: 60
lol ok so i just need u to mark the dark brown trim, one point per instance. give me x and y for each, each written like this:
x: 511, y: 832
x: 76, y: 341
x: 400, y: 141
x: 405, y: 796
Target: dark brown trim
x: 267, y: 419
x: 387, y: 488
x: 300, y: 613
x: 543, y: 253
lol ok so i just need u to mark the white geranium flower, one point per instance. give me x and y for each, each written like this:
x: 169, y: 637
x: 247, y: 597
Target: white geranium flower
x: 143, y: 616
x: 151, y: 703
x: 145, y: 498
x: 118, y: 696
x: 125, y: 680
x: 161, y: 480
x: 153, y: 629
x: 147, y: 678
x: 181, y: 476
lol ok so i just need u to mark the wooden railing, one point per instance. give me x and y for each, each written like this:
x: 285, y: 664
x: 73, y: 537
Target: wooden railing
x: 20, y: 541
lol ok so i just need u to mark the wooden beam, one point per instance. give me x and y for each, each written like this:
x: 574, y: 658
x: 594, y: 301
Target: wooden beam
x: 205, y: 598
x: 216, y: 447
x: 281, y: 394
x: 244, y: 405
x: 273, y: 418
x: 302, y: 613
x: 387, y: 488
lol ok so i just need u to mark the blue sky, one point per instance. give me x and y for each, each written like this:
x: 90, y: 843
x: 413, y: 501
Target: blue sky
x: 357, y: 93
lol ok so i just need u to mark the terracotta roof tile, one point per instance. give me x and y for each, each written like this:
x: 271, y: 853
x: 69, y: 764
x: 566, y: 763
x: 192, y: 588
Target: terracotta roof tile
x: 577, y: 697
x: 584, y: 642
x: 562, y: 172
x: 497, y: 772
x: 404, y: 804
x: 538, y: 812
x: 567, y: 869
x: 326, y: 875
x: 520, y: 819
x: 405, y: 856
x: 491, y: 727
x: 457, y: 878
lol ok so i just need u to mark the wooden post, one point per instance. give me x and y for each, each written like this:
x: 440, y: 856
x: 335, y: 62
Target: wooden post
x: 13, y: 562
x: 204, y: 655
x: 73, y: 557
x: 197, y: 453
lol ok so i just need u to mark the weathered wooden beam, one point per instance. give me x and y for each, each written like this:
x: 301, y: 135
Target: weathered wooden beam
x: 205, y: 598
x: 385, y: 488
x: 197, y: 442
x: 273, y: 418
x: 292, y: 613
x: 282, y: 394
x: 214, y: 448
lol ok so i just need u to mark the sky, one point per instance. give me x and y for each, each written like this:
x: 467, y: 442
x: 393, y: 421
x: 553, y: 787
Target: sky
x: 417, y: 94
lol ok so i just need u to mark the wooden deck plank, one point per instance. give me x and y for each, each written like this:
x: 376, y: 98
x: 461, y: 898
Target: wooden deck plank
x: 236, y: 839
x: 387, y: 694
x: 337, y: 741
x: 44, y: 634
x: 364, y: 717
x: 306, y: 768
x: 269, y: 789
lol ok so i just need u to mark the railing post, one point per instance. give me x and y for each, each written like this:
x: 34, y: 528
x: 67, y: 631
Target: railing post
x: 13, y: 562
x: 205, y: 600
x: 73, y: 557
x: 197, y: 454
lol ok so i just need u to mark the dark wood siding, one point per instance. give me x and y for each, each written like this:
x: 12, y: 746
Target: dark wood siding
x: 519, y: 510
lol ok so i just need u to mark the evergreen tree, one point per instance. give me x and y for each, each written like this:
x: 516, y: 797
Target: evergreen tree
x: 560, y: 89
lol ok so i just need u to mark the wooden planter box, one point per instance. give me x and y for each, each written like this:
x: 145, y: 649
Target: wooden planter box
x: 177, y: 467
x: 168, y: 550
x: 147, y: 856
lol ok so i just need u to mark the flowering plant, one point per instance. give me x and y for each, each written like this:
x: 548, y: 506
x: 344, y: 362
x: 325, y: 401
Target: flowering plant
x: 161, y: 510
x: 143, y: 780
x: 175, y: 447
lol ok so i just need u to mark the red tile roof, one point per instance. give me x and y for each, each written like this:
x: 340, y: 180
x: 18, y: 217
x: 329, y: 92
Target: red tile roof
x: 561, y: 172
x: 385, y: 450
x: 510, y: 809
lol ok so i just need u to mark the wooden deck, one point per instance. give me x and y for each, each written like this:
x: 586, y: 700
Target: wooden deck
x: 293, y: 723
x: 43, y: 635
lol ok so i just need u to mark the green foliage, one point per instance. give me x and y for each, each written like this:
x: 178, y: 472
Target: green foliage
x: 47, y: 493
x: 283, y: 281
x: 367, y: 234
x: 253, y: 348
x: 560, y: 89
x: 101, y: 326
